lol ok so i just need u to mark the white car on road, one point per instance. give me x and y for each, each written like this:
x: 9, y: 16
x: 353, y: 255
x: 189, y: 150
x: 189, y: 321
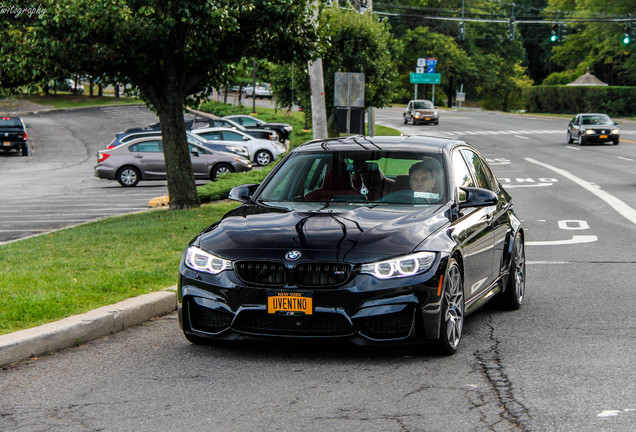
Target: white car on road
x: 261, y: 151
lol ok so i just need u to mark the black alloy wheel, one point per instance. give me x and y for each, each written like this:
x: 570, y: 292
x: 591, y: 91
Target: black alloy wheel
x: 452, y: 312
x: 512, y: 297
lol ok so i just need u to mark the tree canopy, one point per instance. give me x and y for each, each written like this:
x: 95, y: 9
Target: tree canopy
x: 172, y: 51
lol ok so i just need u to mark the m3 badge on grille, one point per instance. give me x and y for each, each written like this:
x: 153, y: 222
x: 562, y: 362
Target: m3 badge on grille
x: 292, y: 255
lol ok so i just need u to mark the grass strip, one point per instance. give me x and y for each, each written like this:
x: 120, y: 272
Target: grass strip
x: 72, y: 271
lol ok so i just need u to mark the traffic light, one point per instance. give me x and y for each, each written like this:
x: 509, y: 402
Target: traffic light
x: 462, y: 31
x: 627, y: 38
x: 511, y: 29
x: 554, y: 33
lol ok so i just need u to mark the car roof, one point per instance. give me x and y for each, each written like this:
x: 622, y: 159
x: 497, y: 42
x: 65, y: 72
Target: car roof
x: 218, y: 129
x: 382, y: 143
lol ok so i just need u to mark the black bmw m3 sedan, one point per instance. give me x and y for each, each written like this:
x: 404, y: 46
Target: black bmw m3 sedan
x: 373, y: 239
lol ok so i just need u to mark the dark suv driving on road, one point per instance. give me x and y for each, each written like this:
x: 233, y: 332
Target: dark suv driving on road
x: 13, y: 135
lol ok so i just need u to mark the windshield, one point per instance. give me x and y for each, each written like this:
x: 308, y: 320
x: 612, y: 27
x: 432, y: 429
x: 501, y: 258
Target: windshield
x: 423, y: 105
x: 10, y: 123
x: 386, y: 177
x: 600, y: 119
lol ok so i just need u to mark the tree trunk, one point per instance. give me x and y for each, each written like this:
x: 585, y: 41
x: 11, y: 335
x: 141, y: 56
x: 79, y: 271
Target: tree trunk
x: 181, y: 185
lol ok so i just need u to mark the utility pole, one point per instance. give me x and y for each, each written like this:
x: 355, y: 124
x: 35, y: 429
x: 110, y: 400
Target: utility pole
x: 317, y: 85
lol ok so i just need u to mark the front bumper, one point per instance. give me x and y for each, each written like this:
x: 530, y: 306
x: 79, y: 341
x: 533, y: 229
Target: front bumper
x: 365, y: 310
x: 600, y: 137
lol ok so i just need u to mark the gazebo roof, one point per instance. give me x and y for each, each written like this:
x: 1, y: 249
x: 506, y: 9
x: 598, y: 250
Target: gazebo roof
x: 587, y: 80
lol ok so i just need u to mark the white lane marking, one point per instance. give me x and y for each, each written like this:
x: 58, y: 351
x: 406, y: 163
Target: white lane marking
x: 614, y: 413
x: 623, y: 209
x: 528, y: 185
x: 522, y: 137
x: 574, y: 240
x: 624, y: 158
x: 573, y: 148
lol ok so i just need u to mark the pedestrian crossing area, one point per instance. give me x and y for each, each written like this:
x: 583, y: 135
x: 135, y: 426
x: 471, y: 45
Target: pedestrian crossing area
x: 453, y: 134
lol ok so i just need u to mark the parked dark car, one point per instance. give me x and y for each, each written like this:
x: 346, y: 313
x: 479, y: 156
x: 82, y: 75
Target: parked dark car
x: 282, y: 129
x: 421, y: 111
x: 335, y: 243
x: 136, y: 133
x: 142, y: 159
x: 593, y: 128
x: 13, y: 135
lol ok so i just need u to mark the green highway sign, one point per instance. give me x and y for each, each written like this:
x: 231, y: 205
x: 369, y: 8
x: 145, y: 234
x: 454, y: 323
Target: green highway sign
x: 426, y: 78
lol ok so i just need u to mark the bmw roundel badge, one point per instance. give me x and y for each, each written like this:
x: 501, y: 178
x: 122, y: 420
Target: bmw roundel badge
x: 292, y: 255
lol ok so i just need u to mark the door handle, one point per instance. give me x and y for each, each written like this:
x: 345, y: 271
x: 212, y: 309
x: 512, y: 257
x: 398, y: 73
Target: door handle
x: 139, y: 156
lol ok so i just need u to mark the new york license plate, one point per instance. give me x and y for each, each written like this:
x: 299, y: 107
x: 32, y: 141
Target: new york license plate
x: 289, y: 302
x: 6, y: 143
x: 603, y: 136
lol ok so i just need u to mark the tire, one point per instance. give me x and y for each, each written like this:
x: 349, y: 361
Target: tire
x: 581, y: 139
x: 569, y: 138
x: 615, y: 142
x: 25, y: 150
x: 452, y: 310
x: 128, y: 176
x: 436, y: 123
x: 220, y: 169
x: 405, y: 121
x: 263, y: 157
x: 512, y: 297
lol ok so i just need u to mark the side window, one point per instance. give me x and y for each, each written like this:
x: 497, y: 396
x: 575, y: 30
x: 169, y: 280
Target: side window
x: 211, y: 136
x: 146, y: 147
x: 232, y: 136
x: 483, y: 175
x: 461, y: 174
x: 248, y: 122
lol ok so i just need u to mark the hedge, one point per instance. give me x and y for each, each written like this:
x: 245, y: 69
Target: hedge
x: 614, y: 101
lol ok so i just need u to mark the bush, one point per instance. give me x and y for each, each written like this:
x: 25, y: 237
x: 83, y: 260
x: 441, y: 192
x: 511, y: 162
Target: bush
x: 614, y: 101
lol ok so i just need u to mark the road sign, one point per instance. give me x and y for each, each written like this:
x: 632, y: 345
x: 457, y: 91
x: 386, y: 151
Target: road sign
x: 421, y: 62
x: 420, y: 70
x: 426, y: 78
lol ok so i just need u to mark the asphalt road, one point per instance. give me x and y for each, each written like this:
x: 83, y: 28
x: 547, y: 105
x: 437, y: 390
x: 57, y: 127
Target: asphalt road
x: 564, y: 362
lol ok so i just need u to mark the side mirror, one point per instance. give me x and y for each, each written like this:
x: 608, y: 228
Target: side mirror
x: 195, y: 151
x: 28, y: 125
x: 245, y: 138
x: 477, y: 197
x: 242, y: 193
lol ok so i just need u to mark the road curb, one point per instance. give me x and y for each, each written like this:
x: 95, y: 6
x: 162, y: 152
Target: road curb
x: 72, y: 331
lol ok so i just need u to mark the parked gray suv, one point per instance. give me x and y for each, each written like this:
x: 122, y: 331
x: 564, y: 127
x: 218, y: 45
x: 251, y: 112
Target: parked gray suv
x: 142, y: 159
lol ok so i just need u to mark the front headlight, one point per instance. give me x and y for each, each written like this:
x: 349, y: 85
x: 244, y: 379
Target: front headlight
x: 616, y: 131
x: 240, y: 150
x: 200, y: 260
x: 407, y: 265
x: 287, y: 129
x: 243, y: 161
x: 590, y: 131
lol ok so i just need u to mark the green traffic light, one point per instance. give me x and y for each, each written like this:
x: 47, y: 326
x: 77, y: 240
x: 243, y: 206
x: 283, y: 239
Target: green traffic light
x: 553, y: 38
x: 626, y: 40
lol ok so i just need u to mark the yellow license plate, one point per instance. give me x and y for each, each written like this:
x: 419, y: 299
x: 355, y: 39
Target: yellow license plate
x: 427, y: 118
x: 6, y: 143
x: 603, y: 136
x: 288, y: 302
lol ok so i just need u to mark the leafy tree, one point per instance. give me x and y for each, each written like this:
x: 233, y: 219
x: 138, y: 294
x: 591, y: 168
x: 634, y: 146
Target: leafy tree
x: 595, y: 45
x: 173, y: 51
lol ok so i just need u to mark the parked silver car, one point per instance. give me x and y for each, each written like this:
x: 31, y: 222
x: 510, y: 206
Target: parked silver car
x: 142, y: 159
x: 261, y: 151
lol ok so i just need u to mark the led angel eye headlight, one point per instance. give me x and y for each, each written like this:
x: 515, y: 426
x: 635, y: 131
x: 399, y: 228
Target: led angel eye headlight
x: 200, y: 260
x: 407, y: 265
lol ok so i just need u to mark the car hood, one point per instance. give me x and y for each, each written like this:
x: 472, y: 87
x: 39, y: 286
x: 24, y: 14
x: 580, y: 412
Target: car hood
x: 328, y: 232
